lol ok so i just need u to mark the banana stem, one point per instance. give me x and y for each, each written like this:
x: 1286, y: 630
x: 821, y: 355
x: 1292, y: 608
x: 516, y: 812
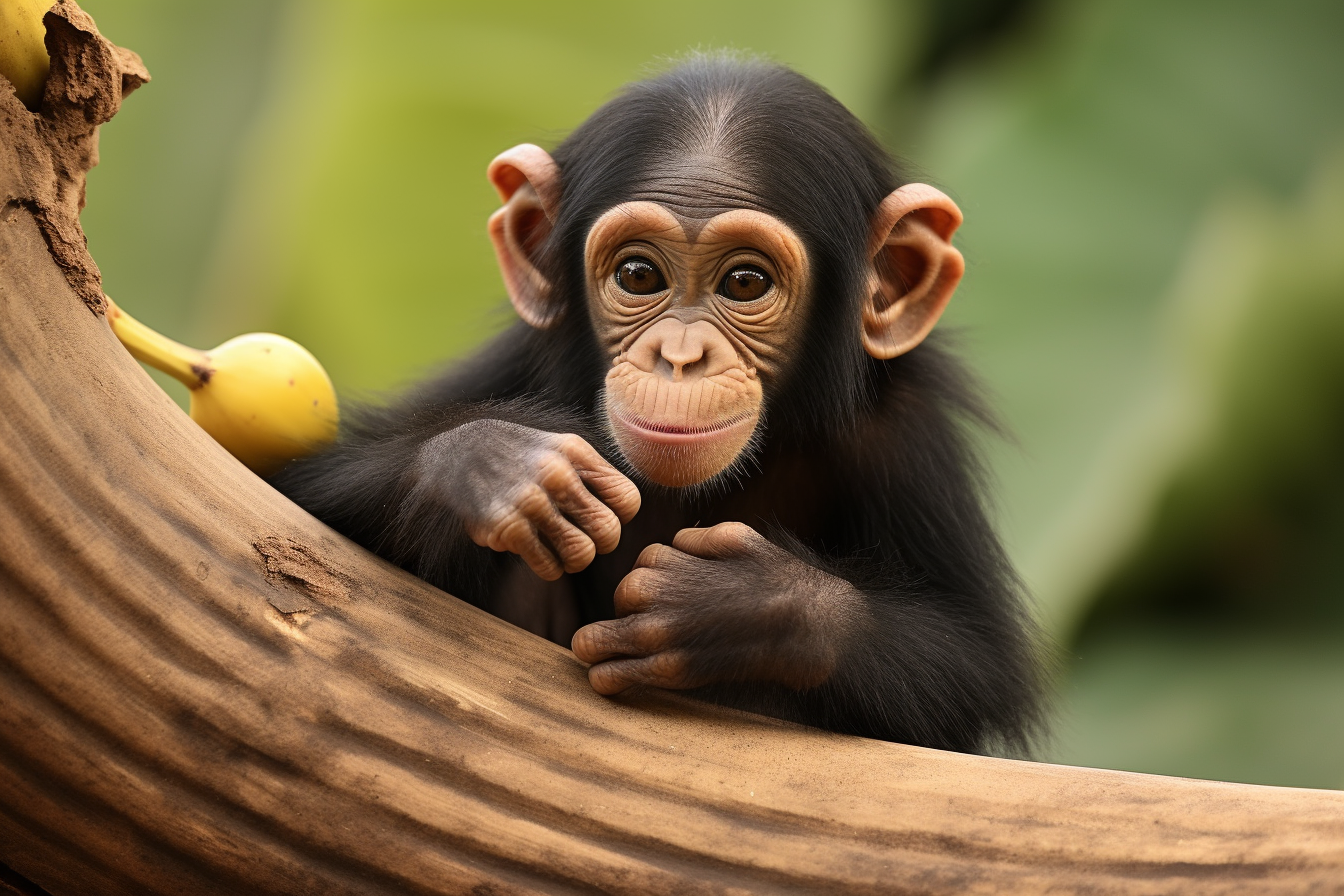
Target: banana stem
x: 188, y: 365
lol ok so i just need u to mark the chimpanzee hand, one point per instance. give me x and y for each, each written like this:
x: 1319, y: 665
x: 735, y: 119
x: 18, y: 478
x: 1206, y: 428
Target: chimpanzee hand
x: 720, y: 604
x: 549, y: 498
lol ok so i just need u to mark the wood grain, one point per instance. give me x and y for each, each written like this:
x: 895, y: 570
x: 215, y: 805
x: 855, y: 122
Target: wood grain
x: 204, y: 690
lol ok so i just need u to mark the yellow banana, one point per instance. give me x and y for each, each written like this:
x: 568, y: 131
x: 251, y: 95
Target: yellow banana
x: 263, y: 397
x: 23, y: 49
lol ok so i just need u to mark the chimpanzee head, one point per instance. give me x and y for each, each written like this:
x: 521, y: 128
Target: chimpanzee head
x: 737, y: 241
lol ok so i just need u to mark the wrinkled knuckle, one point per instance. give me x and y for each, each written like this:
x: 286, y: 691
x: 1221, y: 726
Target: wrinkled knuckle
x: 534, y: 502
x: 607, y: 541
x: 555, y: 473
x: 512, y: 525
x: 512, y: 531
x: 656, y: 632
x: 578, y: 553
x: 606, y: 680
x: 734, y: 530
x: 629, y: 492
x: 671, y: 668
x: 633, y: 590
x: 652, y: 555
x: 738, y: 536
x: 605, y: 530
x: 569, y: 442
x: 585, y: 643
x: 613, y: 637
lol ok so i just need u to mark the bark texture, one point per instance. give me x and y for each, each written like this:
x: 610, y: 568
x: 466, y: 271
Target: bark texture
x: 204, y: 690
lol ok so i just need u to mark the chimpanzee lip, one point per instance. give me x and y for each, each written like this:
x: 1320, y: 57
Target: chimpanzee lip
x: 671, y: 432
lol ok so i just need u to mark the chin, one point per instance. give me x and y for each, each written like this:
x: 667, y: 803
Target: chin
x: 678, y: 455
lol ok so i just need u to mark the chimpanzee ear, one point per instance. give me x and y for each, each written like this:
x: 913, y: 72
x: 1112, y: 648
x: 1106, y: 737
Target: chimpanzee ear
x: 528, y: 182
x: 914, y: 268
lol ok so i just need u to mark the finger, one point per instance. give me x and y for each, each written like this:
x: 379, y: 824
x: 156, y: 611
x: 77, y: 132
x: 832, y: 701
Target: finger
x: 575, y: 549
x: 664, y: 670
x: 634, y: 636
x: 609, y: 484
x: 718, y: 542
x: 636, y: 591
x: 517, y: 536
x: 660, y: 556
x: 593, y: 517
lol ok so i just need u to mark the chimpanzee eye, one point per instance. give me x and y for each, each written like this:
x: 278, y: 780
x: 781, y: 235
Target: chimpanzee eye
x: 745, y: 284
x: 640, y: 277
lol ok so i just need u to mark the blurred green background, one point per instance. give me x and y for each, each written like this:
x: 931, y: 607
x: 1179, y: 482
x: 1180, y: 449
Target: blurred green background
x: 1154, y: 196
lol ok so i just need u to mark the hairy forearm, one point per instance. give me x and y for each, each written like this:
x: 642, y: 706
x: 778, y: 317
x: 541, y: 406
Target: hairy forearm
x: 910, y: 687
x: 922, y: 667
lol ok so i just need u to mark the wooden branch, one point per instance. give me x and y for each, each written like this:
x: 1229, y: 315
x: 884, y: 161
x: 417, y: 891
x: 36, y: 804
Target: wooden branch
x: 204, y: 690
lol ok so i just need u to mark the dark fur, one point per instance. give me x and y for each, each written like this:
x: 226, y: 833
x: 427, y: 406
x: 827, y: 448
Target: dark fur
x: 866, y: 469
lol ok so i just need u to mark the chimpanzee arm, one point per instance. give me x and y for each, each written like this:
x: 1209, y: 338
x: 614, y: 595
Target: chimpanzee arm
x: 751, y: 625
x: 440, y: 489
x: 928, y: 666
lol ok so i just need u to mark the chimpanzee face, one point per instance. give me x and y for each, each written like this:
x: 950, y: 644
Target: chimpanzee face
x: 698, y: 317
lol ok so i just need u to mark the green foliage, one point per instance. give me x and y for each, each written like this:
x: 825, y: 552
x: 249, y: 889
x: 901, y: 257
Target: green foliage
x: 1212, y: 537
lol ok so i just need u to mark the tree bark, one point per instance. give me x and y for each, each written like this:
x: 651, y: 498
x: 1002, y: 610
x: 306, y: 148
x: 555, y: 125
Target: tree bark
x: 204, y: 690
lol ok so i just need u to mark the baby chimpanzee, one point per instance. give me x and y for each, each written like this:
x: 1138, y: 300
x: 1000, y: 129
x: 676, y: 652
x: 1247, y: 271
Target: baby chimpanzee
x: 717, y: 452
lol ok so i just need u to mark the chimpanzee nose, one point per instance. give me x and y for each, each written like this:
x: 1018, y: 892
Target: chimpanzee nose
x: 674, y: 349
x: 682, y: 349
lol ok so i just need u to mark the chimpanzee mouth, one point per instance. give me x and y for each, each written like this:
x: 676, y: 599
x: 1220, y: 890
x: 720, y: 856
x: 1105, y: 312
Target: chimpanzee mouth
x: 671, y: 432
x: 687, y: 453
